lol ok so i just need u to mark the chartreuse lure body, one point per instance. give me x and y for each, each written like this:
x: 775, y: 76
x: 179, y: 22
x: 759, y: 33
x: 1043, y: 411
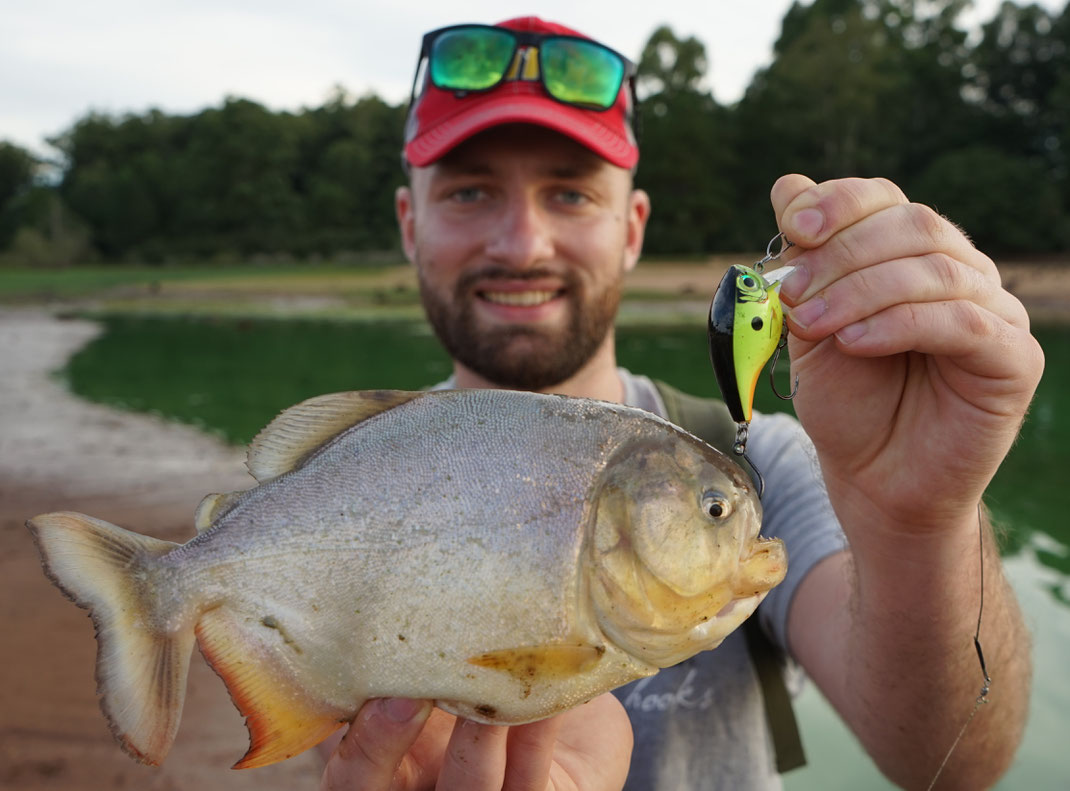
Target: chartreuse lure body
x: 746, y: 328
x: 745, y: 325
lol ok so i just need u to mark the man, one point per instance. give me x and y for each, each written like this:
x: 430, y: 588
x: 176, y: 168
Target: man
x: 916, y: 369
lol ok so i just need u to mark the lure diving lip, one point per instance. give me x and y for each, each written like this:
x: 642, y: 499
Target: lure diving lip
x: 745, y: 324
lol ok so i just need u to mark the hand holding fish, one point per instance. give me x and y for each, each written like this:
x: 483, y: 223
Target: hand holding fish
x: 916, y: 370
x: 588, y: 747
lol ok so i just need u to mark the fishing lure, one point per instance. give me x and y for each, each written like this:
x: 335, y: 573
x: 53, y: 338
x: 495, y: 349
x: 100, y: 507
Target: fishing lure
x: 746, y: 327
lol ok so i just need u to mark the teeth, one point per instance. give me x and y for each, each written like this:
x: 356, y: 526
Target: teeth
x: 518, y: 298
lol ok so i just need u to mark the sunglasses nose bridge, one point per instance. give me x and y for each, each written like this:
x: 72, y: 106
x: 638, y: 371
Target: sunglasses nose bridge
x: 525, y: 64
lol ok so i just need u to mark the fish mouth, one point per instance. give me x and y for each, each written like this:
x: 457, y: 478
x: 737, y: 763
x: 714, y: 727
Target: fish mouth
x: 764, y: 567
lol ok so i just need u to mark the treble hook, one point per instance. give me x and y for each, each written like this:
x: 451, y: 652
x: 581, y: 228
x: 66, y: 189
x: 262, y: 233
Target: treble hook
x: 772, y: 369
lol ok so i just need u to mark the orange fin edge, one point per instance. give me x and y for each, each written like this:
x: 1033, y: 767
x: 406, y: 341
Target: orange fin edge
x: 282, y: 720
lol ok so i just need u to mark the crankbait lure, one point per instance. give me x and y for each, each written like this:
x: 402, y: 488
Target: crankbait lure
x: 746, y: 328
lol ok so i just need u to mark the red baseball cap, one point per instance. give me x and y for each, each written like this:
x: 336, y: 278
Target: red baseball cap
x: 439, y: 120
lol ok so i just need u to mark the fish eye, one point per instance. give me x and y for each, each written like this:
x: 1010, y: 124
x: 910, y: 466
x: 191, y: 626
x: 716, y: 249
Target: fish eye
x: 749, y: 282
x: 716, y: 505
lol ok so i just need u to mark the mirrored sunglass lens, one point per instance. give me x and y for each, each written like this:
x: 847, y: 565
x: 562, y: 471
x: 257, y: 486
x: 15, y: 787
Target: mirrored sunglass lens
x: 581, y: 72
x: 470, y: 59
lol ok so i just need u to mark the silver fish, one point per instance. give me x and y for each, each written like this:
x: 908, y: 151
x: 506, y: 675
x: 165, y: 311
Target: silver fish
x: 509, y: 555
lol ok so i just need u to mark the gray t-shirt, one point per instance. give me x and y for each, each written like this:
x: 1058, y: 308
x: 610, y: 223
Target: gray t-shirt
x: 701, y: 724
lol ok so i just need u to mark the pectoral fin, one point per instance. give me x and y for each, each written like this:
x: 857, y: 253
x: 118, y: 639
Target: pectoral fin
x: 534, y: 663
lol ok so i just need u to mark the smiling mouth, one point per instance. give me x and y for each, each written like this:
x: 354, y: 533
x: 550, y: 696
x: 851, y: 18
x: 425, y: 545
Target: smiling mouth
x: 522, y: 299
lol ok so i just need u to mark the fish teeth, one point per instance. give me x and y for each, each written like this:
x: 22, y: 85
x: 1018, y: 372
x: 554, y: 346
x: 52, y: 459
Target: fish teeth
x: 518, y: 298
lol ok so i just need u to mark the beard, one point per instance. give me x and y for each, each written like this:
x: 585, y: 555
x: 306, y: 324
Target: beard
x: 520, y: 357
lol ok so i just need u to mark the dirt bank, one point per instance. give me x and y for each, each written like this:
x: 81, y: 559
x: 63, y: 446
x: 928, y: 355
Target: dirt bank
x: 60, y: 453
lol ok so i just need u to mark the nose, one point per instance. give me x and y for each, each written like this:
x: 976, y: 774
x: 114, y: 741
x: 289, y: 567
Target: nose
x: 523, y: 238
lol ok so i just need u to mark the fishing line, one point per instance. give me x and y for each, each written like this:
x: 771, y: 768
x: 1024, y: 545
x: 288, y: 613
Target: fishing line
x: 983, y: 697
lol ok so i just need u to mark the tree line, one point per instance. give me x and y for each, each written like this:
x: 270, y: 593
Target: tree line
x: 977, y: 127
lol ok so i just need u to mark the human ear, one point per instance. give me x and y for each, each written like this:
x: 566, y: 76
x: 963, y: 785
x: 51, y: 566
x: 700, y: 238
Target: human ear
x: 638, y: 214
x: 405, y: 211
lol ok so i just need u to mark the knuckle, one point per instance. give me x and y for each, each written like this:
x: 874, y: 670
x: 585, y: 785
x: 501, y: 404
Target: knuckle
x: 972, y: 318
x: 926, y: 223
x: 848, y: 247
x: 949, y: 274
x: 842, y: 199
x: 890, y: 188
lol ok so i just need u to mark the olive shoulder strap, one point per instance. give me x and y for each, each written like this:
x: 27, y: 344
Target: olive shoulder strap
x: 708, y: 419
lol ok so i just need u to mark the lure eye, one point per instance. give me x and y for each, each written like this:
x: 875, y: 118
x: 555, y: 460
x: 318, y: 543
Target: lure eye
x: 756, y: 323
x: 716, y: 506
x: 749, y: 281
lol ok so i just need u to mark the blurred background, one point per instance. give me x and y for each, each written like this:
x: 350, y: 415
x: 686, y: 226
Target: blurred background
x: 967, y: 108
x: 210, y: 186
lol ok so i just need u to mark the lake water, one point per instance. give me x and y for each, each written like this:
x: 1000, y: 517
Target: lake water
x: 233, y: 376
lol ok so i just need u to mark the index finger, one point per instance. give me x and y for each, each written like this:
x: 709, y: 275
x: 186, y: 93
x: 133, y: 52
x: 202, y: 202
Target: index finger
x: 809, y: 213
x: 372, y: 750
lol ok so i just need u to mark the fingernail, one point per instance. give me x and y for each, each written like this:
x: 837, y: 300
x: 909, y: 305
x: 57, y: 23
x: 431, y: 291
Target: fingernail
x: 808, y: 312
x: 808, y: 222
x: 793, y: 286
x: 402, y: 709
x: 852, y: 332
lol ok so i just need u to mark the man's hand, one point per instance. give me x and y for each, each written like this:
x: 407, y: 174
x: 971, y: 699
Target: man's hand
x: 916, y: 369
x: 911, y: 355
x: 401, y: 744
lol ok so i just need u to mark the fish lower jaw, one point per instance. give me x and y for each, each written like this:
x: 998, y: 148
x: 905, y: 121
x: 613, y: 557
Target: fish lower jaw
x: 667, y: 646
x: 710, y: 633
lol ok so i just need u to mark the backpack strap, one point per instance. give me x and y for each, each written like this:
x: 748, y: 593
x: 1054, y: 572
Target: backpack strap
x: 708, y: 419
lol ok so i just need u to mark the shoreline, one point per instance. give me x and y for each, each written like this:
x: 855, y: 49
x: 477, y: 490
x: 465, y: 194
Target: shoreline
x: 58, y: 452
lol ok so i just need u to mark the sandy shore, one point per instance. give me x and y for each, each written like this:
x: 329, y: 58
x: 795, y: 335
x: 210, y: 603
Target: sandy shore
x: 60, y: 453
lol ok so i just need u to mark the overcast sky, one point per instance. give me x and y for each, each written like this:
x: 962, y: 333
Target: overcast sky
x: 60, y: 59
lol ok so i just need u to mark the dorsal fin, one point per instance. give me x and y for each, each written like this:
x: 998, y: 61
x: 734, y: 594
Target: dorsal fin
x: 300, y: 430
x: 212, y: 507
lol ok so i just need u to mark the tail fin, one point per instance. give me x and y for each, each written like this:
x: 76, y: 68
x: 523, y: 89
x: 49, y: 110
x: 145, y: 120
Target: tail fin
x: 141, y: 667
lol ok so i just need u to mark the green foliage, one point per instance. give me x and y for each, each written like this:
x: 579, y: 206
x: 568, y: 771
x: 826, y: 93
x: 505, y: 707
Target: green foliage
x: 856, y: 88
x: 17, y: 169
x: 238, y: 179
x: 1005, y: 202
x: 685, y: 145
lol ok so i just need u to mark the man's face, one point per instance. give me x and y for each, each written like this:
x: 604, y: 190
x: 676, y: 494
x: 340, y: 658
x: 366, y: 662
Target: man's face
x: 521, y: 238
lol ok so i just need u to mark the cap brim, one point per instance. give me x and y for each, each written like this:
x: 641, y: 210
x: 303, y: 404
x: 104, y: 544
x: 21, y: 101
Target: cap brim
x: 510, y: 108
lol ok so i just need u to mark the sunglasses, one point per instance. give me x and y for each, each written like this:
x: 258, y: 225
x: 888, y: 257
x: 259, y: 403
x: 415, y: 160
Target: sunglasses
x: 575, y: 71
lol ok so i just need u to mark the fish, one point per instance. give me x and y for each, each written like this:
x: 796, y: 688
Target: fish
x: 508, y: 555
x: 745, y: 324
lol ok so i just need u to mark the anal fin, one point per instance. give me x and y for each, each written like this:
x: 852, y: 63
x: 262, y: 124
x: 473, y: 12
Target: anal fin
x: 283, y: 720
